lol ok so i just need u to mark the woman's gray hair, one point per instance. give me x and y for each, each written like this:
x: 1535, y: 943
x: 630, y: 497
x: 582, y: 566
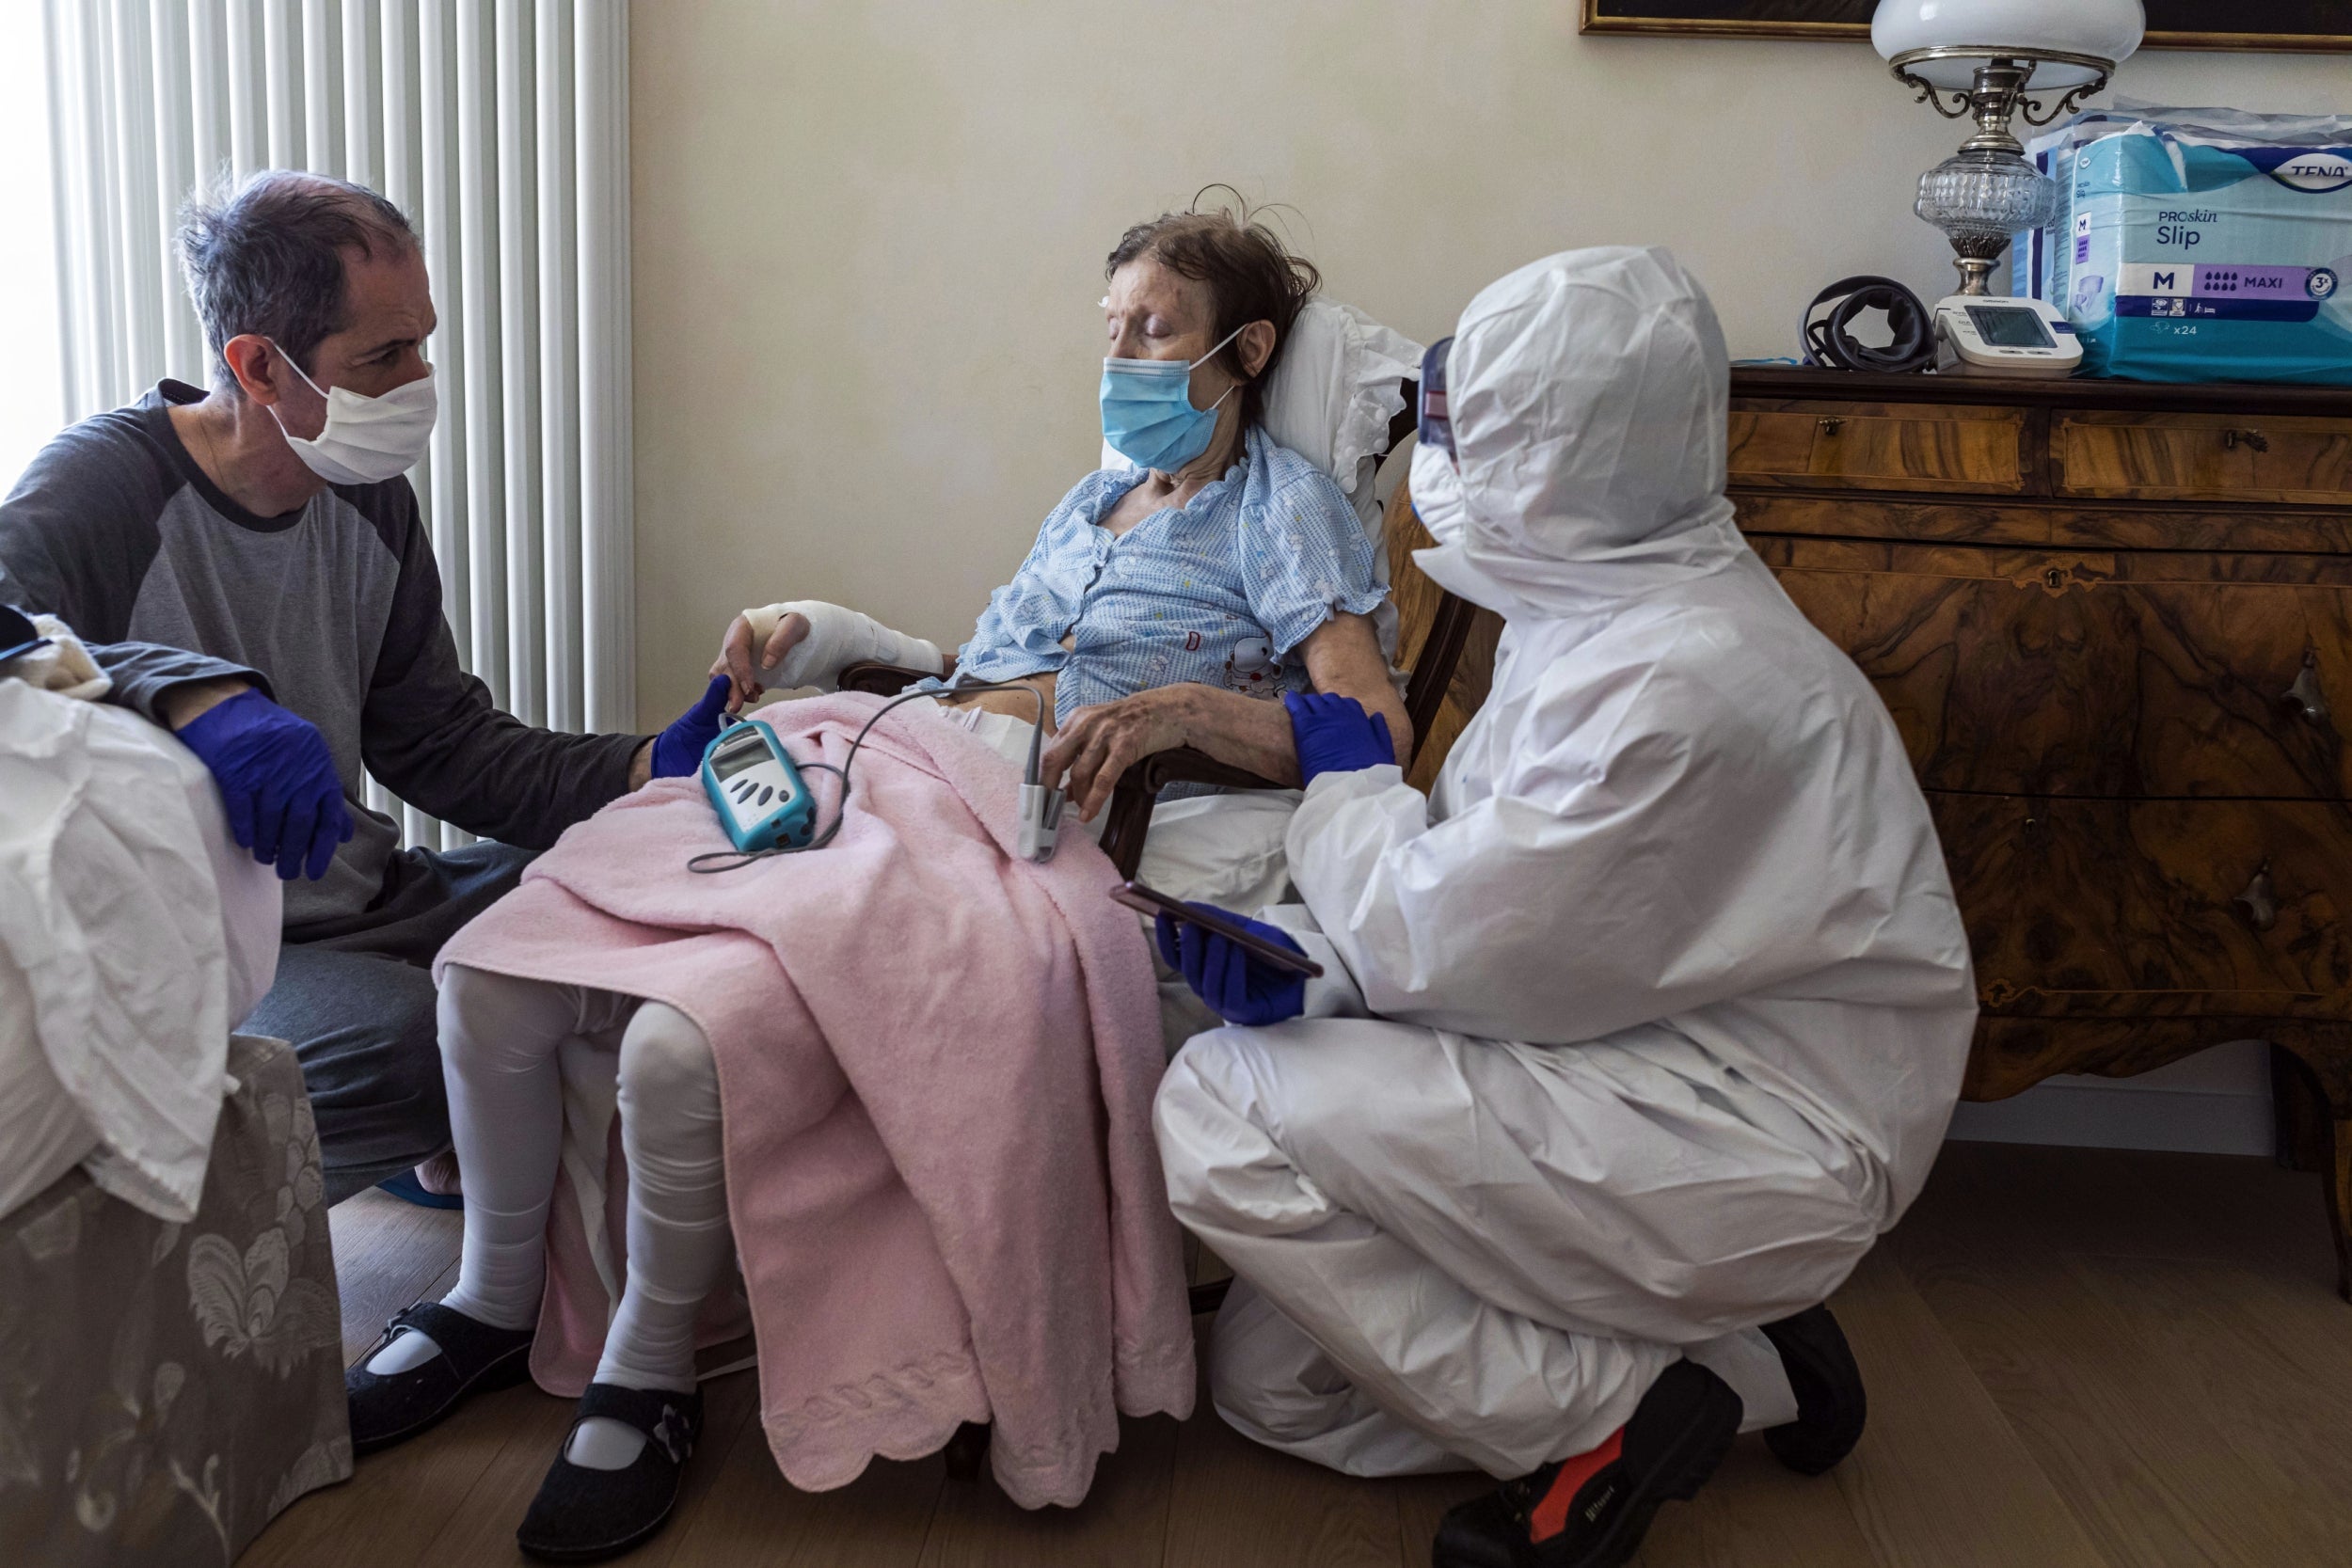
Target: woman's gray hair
x: 1250, y: 274
x: 267, y: 258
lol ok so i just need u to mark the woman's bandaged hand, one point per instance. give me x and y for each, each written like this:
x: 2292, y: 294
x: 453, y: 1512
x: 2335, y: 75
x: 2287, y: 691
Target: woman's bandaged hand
x: 809, y: 643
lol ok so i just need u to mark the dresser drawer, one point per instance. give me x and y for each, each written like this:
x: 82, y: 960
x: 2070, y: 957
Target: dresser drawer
x: 1877, y: 446
x: 2294, y: 461
x: 2121, y: 674
x: 2152, y: 906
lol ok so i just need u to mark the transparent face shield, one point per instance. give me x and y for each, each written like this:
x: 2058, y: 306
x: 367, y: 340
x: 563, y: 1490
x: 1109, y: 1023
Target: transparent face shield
x: 1435, y: 428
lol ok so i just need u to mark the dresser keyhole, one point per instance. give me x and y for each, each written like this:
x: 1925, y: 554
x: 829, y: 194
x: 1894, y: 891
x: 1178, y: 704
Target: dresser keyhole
x: 2305, y: 694
x: 2260, y: 901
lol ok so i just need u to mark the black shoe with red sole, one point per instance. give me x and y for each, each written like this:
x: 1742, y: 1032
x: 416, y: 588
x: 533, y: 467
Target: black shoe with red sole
x: 1830, y: 1405
x: 1592, y: 1510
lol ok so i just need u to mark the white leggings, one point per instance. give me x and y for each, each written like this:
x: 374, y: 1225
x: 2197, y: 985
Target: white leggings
x: 499, y: 1039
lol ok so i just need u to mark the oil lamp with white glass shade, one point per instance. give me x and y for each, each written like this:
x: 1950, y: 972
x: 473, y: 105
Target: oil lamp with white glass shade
x: 1988, y: 60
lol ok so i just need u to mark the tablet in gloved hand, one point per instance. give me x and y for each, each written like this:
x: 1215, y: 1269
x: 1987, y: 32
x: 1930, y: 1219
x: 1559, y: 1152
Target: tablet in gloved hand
x: 1151, y: 901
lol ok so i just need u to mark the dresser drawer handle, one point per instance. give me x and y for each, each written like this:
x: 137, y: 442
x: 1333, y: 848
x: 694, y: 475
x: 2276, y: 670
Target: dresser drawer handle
x: 1830, y: 425
x: 2255, y: 438
x: 2259, y: 900
x: 2305, y: 693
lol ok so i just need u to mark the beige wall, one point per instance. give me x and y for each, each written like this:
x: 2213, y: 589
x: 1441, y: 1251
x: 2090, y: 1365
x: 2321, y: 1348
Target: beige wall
x: 870, y: 236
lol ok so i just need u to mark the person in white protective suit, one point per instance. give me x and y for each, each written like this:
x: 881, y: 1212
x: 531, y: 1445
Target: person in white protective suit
x: 1633, y: 1036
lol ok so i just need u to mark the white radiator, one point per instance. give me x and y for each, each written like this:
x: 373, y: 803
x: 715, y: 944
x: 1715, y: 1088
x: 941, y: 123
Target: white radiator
x: 501, y: 127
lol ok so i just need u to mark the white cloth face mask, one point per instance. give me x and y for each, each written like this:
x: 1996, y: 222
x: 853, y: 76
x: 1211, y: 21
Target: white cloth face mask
x: 366, y: 441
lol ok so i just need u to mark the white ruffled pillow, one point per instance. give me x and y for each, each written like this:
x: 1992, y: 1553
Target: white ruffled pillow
x: 1336, y: 390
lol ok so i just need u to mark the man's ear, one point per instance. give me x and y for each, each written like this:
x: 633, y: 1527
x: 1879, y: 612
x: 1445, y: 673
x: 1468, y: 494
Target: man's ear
x: 254, y: 361
x: 1256, y: 343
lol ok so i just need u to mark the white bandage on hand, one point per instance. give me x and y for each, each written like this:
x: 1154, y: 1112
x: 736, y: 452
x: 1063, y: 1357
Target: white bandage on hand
x: 837, y: 638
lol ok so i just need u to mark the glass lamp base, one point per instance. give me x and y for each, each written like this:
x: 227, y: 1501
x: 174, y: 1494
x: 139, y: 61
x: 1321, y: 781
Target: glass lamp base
x: 1980, y: 196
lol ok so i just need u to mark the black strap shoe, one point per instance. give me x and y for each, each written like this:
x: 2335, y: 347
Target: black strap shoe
x: 393, y: 1407
x: 1592, y: 1510
x: 1830, y: 1405
x: 583, y: 1515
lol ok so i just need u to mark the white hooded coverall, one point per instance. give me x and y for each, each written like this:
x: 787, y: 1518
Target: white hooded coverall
x: 1672, y: 997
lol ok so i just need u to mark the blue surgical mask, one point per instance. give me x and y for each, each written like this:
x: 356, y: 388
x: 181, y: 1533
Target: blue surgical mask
x: 1148, y: 416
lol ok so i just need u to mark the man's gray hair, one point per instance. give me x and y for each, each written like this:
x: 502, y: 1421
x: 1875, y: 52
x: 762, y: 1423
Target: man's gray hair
x: 267, y: 257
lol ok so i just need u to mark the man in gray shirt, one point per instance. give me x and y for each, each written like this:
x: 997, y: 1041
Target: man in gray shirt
x: 250, y: 568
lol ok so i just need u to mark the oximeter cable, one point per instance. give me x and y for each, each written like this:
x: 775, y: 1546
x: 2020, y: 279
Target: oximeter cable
x: 738, y: 859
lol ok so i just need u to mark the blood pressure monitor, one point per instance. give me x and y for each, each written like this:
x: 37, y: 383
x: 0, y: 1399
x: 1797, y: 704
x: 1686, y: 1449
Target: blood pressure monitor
x: 755, y: 789
x: 1991, y: 335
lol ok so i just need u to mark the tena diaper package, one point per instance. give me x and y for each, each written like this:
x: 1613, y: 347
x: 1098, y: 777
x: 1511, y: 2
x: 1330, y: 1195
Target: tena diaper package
x: 2199, y: 244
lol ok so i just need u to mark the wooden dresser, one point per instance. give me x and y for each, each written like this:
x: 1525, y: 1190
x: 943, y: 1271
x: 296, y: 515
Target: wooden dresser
x: 2113, y: 622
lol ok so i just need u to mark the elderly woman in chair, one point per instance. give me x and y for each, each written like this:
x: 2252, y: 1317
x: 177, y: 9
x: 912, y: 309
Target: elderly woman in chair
x: 1162, y: 602
x: 1210, y: 596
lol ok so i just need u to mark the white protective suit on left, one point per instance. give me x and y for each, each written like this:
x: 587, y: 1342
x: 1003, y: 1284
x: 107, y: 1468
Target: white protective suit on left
x: 133, y: 936
x: 1672, y: 996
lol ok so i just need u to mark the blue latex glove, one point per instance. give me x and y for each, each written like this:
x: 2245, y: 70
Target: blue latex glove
x: 1335, y: 736
x: 1241, y: 987
x: 678, y: 750
x: 277, y: 782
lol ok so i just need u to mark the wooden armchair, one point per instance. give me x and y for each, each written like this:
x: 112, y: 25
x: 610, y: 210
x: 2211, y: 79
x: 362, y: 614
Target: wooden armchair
x: 1435, y: 630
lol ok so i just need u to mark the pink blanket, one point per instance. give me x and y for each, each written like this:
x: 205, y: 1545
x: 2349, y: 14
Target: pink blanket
x: 936, y: 1063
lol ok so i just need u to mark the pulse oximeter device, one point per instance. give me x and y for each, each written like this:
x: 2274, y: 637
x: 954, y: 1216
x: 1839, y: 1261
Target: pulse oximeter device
x: 757, y: 791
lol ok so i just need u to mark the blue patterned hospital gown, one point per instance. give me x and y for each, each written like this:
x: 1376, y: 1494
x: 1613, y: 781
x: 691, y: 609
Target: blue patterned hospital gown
x: 1221, y: 590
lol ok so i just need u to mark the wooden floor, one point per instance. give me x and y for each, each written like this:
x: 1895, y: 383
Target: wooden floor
x: 2075, y: 1357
